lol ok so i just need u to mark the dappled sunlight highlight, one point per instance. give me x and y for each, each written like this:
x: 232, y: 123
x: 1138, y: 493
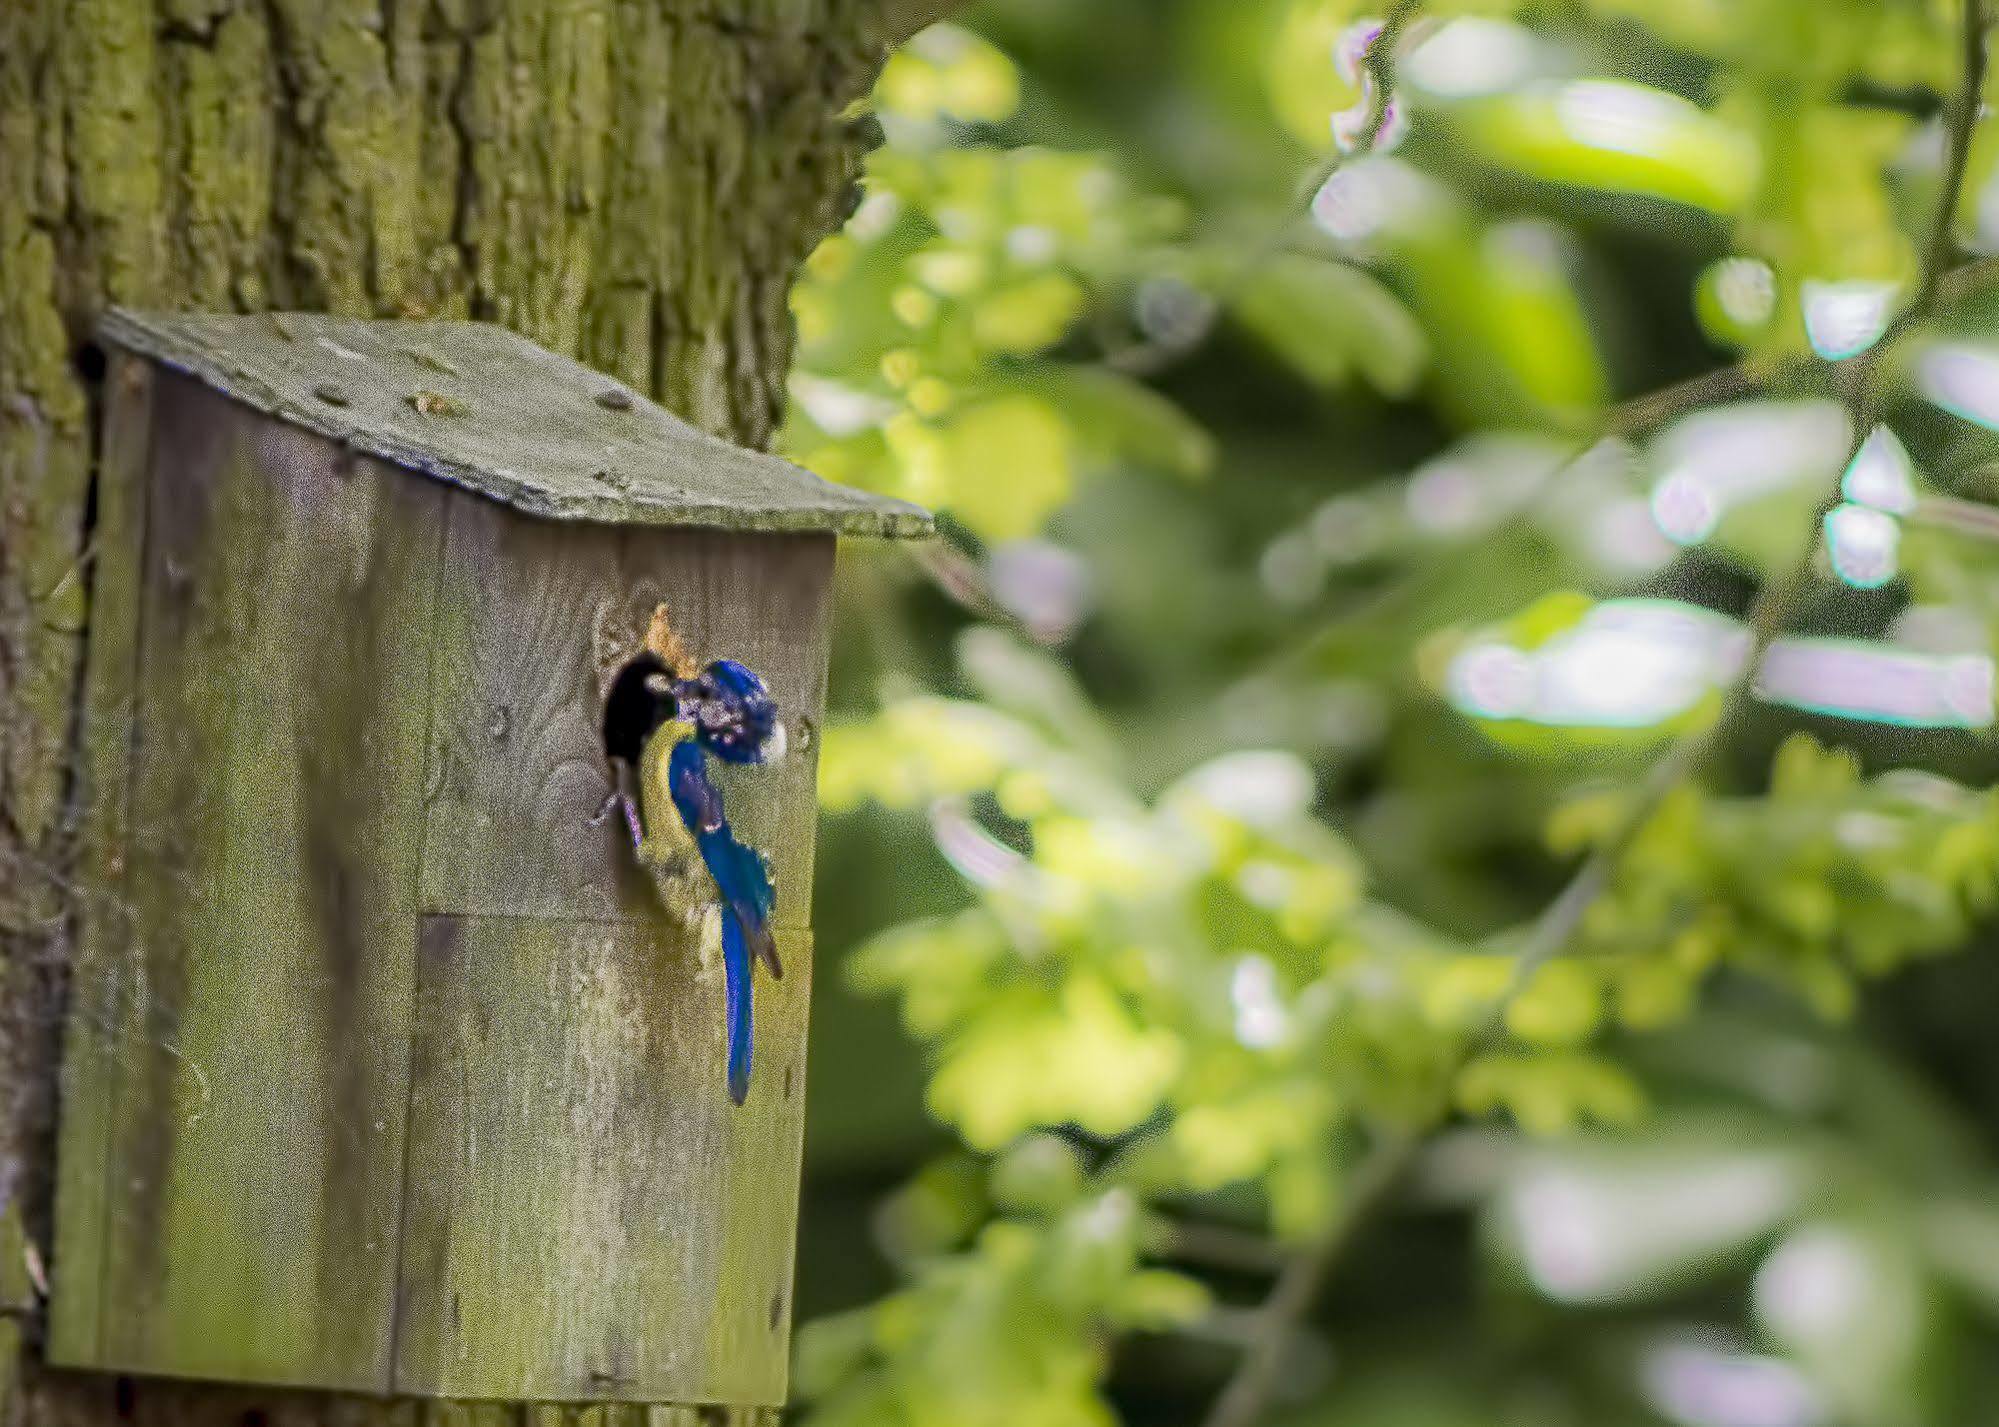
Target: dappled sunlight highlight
x: 1876, y: 683
x: 1728, y: 457
x: 1963, y: 380
x: 1695, y: 1385
x: 1625, y: 664
x: 1844, y: 319
x: 1638, y: 664
x: 1881, y: 475
x: 1862, y: 543
x: 1474, y: 55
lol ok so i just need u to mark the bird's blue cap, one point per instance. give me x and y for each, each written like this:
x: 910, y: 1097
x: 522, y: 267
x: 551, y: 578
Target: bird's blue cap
x: 735, y: 717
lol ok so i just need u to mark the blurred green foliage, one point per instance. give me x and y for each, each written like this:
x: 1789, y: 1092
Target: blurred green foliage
x: 1321, y: 584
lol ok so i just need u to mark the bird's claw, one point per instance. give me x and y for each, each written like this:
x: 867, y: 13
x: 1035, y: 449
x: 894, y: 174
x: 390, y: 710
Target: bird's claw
x: 617, y: 799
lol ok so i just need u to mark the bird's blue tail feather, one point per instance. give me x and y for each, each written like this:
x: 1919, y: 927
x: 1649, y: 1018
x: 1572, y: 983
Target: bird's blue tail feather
x: 736, y: 982
x: 744, y: 882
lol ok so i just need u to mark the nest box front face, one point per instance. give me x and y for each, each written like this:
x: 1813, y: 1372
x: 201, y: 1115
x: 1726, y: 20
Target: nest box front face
x: 386, y: 1071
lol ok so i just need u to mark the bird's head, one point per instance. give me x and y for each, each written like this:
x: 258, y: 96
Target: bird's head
x: 735, y: 717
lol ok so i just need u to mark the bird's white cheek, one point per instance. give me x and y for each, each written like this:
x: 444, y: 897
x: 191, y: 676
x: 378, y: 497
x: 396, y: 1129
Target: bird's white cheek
x: 774, y: 746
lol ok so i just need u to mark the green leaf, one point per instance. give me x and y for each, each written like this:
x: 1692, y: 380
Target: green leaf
x: 831, y: 1350
x: 1560, y: 1006
x: 1550, y: 1093
x: 1041, y: 1174
x: 1038, y: 689
x: 1515, y: 346
x: 1026, y: 316
x: 946, y: 70
x: 1621, y: 137
x: 1157, y: 1300
x: 1119, y: 420
x: 1083, y: 1059
x: 1003, y: 466
x: 1332, y: 322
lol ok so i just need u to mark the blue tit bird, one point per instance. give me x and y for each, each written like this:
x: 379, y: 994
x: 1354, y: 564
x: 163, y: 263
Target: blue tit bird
x: 653, y: 736
x: 741, y: 876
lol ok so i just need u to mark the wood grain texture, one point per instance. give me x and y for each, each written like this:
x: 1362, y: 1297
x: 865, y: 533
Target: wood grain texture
x: 530, y: 620
x: 257, y: 1134
x: 594, y: 1219
x: 106, y: 931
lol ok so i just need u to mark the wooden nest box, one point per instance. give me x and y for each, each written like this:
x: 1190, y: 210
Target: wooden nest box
x: 386, y: 1071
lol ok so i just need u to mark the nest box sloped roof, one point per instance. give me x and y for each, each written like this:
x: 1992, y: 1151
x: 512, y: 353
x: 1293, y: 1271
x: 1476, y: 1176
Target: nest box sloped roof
x: 486, y: 409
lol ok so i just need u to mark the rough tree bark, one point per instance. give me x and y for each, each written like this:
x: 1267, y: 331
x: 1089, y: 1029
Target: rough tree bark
x: 630, y: 181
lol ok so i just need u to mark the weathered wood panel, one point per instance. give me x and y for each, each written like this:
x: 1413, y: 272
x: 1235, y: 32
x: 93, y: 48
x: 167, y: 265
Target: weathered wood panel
x: 105, y: 933
x: 589, y: 1217
x: 277, y: 786
x: 91, y: 1399
x: 530, y: 619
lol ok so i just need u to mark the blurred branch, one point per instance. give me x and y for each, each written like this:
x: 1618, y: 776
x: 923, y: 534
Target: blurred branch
x: 1149, y: 358
x: 1962, y: 517
x: 1243, y: 1399
x: 1918, y: 101
x: 1966, y: 279
x: 1963, y: 118
x: 1221, y: 1247
x: 1641, y: 414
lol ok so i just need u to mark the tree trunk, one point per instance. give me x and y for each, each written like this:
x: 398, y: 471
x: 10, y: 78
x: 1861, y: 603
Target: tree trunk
x: 630, y: 181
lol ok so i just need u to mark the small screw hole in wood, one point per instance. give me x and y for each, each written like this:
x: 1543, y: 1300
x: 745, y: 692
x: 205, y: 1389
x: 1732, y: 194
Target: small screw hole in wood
x: 806, y: 730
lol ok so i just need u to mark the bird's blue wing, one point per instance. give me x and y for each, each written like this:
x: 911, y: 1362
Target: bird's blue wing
x: 739, y: 871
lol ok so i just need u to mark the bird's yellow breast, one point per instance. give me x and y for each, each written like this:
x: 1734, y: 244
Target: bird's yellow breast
x: 668, y: 839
